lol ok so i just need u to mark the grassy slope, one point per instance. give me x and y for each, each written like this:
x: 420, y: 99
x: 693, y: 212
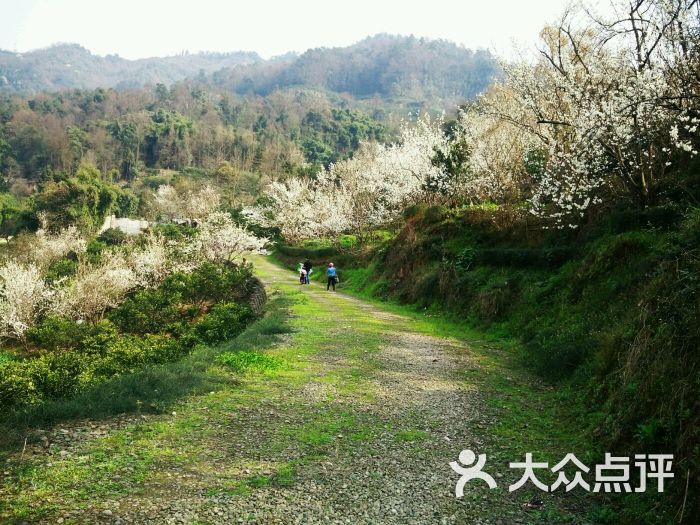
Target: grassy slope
x: 142, y: 460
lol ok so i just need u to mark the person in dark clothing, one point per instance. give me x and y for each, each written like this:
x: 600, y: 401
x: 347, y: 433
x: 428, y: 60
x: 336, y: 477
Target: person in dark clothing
x: 307, y: 267
x: 332, y: 274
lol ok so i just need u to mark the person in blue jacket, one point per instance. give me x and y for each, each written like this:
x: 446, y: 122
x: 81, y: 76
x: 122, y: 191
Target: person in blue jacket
x: 332, y: 276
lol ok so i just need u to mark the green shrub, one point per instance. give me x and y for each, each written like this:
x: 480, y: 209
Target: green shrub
x: 155, y: 181
x: 128, y: 354
x: 545, y: 257
x: 57, y: 333
x: 212, y: 283
x: 465, y: 259
x: 60, y: 269
x: 151, y: 311
x: 413, y: 211
x: 93, y: 250
x: 434, y: 214
x: 174, y: 231
x: 557, y: 351
x: 494, y: 302
x: 224, y: 321
x: 5, y: 358
x: 664, y: 217
x: 16, y: 386
x: 127, y: 204
x: 113, y: 237
x: 151, y: 327
x: 58, y: 375
x: 97, y: 340
x: 427, y: 289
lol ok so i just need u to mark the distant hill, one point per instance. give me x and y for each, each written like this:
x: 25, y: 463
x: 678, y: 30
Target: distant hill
x: 70, y: 66
x: 384, y: 66
x: 402, y: 71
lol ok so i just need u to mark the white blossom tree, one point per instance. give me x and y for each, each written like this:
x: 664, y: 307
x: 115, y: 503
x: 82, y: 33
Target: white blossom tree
x: 603, y: 106
x: 47, y: 247
x: 219, y: 239
x: 190, y: 204
x: 96, y: 288
x: 24, y: 295
x: 154, y: 262
x: 357, y: 194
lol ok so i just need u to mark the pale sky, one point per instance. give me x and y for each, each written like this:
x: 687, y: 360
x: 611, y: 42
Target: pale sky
x: 144, y: 28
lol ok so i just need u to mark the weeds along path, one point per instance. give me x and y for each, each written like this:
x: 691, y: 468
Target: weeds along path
x: 356, y: 422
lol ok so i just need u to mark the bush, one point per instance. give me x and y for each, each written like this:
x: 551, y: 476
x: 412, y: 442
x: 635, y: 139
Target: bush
x: 224, y: 321
x: 427, y: 289
x: 16, y: 386
x: 57, y: 333
x: 494, y: 302
x: 151, y: 327
x: 555, y: 352
x: 434, y: 214
x: 61, y: 269
x: 173, y: 231
x: 113, y: 237
x: 151, y: 312
x: 127, y: 204
x: 128, y: 354
x: 58, y: 375
x: 93, y: 251
x: 413, y: 211
x: 656, y: 217
x: 545, y: 257
x: 212, y: 283
x: 465, y: 259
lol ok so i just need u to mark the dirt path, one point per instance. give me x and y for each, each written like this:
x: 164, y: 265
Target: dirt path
x: 358, y: 425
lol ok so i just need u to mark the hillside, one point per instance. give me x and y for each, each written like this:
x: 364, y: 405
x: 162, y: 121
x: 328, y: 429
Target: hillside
x: 386, y: 66
x: 70, y: 66
x: 405, y: 71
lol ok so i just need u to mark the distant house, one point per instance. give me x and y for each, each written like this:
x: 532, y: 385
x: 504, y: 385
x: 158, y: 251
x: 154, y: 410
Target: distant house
x: 128, y: 226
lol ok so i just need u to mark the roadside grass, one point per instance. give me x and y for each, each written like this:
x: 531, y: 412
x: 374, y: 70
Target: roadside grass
x: 154, y: 389
x: 282, y: 477
x: 114, y: 466
x: 245, y: 361
x: 411, y: 435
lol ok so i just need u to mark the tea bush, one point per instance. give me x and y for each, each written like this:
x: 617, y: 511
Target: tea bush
x: 153, y: 326
x: 224, y: 321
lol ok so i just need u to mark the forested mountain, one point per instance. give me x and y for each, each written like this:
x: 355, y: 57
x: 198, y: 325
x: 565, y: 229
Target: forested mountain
x: 404, y: 71
x: 394, y: 67
x: 70, y: 66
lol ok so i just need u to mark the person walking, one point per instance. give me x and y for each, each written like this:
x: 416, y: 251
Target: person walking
x: 308, y: 266
x: 332, y: 274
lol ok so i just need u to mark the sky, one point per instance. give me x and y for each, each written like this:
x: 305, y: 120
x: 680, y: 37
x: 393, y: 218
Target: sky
x: 144, y: 28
